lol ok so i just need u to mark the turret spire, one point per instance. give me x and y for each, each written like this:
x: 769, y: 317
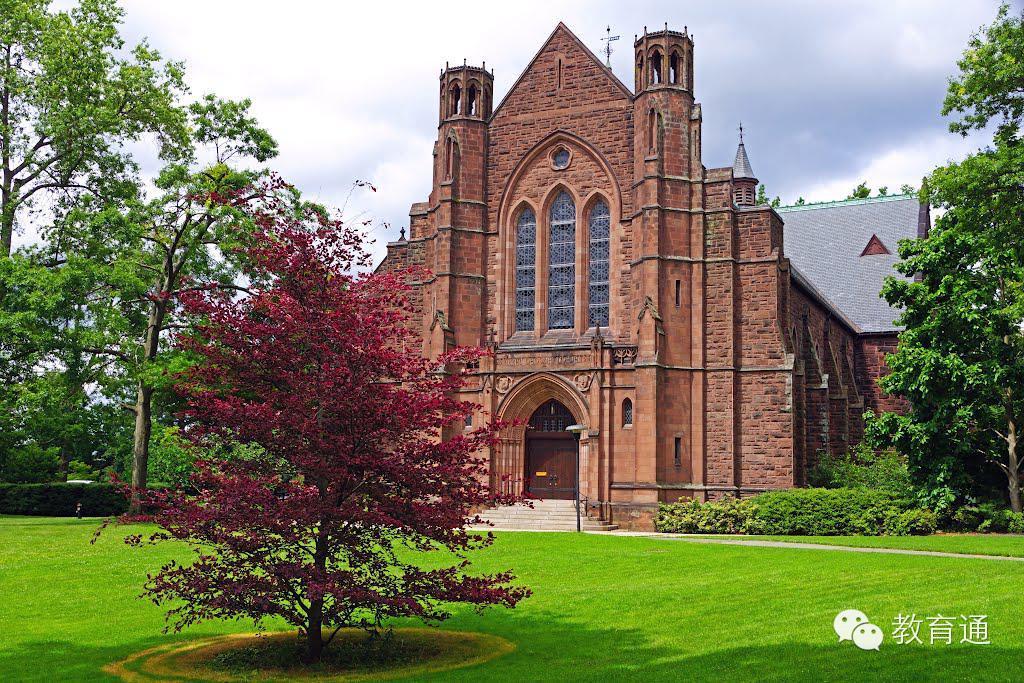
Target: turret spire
x: 743, y: 178
x: 741, y: 166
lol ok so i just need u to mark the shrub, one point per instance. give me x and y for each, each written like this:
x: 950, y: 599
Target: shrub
x: 1015, y: 523
x: 60, y: 500
x: 913, y: 522
x: 863, y: 467
x: 982, y: 518
x: 727, y: 516
x: 801, y: 512
x: 828, y: 512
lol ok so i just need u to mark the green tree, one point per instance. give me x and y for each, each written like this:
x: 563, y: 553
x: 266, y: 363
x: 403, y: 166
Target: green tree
x: 92, y: 302
x: 862, y: 191
x: 138, y: 256
x: 69, y: 100
x: 762, y: 198
x: 990, y: 86
x: 961, y: 357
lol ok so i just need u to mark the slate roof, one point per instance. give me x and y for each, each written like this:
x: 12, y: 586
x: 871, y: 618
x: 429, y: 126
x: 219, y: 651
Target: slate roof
x: 824, y: 243
x: 741, y: 166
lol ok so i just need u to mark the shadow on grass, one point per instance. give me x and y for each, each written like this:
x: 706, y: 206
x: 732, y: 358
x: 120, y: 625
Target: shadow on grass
x: 555, y: 649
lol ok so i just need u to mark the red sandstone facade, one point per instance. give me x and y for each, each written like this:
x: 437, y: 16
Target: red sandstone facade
x: 712, y: 370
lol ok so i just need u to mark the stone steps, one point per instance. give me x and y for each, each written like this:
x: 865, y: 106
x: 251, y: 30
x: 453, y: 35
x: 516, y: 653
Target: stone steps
x: 545, y: 515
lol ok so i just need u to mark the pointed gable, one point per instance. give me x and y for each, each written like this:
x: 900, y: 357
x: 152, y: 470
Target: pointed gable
x: 564, y: 73
x: 875, y: 247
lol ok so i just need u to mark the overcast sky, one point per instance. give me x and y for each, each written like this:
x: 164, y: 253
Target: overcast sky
x: 829, y: 93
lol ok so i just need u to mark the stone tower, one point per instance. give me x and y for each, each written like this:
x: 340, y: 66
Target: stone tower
x: 454, y: 224
x: 668, y: 182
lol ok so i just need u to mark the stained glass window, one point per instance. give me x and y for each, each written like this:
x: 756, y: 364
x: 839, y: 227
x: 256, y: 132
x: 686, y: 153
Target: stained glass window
x: 561, y: 158
x: 562, y: 264
x: 599, y: 226
x: 551, y: 417
x: 526, y: 269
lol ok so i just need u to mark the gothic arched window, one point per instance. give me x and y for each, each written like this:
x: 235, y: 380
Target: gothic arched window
x: 455, y: 100
x: 627, y: 413
x: 655, y: 67
x: 673, y: 68
x: 451, y: 159
x: 526, y: 269
x: 562, y: 263
x: 598, y: 227
x: 471, y: 107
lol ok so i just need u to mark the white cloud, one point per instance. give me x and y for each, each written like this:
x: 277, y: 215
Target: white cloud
x: 830, y: 93
x: 905, y: 164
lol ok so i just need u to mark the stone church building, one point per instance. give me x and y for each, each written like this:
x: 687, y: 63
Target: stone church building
x: 711, y: 346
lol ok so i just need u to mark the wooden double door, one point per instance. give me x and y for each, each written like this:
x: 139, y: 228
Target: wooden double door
x: 550, y: 453
x: 551, y: 467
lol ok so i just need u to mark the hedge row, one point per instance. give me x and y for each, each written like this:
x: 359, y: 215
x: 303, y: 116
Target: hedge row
x: 800, y: 512
x: 60, y: 500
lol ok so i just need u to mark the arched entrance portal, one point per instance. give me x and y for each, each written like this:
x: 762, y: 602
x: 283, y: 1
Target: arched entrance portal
x: 550, y: 453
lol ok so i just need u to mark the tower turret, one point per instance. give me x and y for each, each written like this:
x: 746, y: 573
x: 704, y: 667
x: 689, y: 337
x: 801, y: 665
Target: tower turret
x: 452, y: 223
x: 744, y: 181
x: 466, y: 92
x: 664, y: 59
x: 668, y: 239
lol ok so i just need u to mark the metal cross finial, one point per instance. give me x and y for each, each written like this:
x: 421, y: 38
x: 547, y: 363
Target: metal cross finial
x: 608, y: 47
x: 741, y: 132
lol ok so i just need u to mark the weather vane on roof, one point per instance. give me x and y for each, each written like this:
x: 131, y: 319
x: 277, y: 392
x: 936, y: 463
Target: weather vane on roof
x: 608, y: 46
x: 741, y: 132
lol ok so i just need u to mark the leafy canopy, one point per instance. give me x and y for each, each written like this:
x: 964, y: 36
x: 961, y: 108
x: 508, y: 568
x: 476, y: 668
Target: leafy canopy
x: 346, y: 481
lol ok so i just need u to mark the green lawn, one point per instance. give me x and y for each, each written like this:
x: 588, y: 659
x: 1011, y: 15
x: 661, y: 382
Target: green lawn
x: 973, y: 544
x: 605, y: 607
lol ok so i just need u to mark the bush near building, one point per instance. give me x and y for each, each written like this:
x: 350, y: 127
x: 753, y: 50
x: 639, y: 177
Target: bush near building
x: 801, y: 512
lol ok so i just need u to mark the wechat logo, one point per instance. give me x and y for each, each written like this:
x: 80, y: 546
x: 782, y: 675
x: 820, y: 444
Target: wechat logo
x: 853, y: 625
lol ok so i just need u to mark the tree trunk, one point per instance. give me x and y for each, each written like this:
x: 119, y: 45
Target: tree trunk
x: 6, y: 231
x: 315, y: 623
x: 314, y: 632
x: 140, y: 443
x: 7, y: 181
x: 144, y: 411
x: 1013, y: 467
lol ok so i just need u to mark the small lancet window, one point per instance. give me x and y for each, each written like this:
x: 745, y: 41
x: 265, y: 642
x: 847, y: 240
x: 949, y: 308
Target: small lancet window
x: 652, y: 131
x: 599, y: 228
x: 627, y: 413
x: 526, y: 269
x: 471, y: 105
x: 562, y: 263
x: 451, y: 159
x: 655, y: 67
x: 673, y: 68
x: 455, y: 100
